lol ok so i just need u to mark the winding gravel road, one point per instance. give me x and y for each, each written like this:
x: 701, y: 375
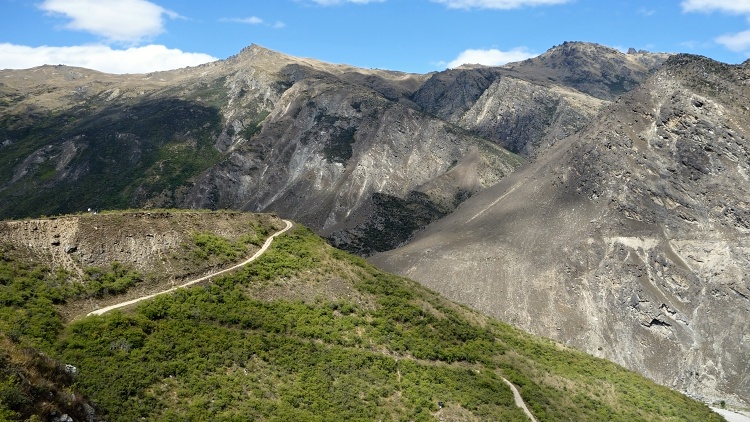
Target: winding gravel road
x: 731, y: 416
x: 260, y: 252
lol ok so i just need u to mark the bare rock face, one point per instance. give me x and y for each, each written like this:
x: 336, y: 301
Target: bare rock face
x: 449, y: 94
x: 321, y: 160
x: 527, y: 106
x: 628, y: 240
x: 328, y: 148
x: 525, y: 118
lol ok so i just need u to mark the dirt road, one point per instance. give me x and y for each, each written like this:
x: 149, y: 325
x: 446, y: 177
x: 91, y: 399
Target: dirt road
x: 519, y: 400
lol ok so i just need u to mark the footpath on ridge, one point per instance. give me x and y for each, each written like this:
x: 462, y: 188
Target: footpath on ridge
x: 260, y: 252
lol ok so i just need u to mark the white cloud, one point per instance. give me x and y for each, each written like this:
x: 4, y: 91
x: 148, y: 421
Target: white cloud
x: 148, y: 58
x: 127, y: 21
x: 491, y: 57
x: 254, y: 20
x: 728, y: 6
x: 497, y: 4
x: 739, y: 42
x: 337, y: 2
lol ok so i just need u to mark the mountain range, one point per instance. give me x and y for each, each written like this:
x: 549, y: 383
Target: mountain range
x: 595, y: 197
x: 365, y: 157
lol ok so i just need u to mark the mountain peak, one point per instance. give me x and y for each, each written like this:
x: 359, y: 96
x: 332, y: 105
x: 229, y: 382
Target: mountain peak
x: 256, y: 52
x: 581, y: 46
x: 595, y: 69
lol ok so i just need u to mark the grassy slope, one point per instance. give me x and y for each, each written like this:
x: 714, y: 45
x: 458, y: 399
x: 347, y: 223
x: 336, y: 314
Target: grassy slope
x: 312, y: 333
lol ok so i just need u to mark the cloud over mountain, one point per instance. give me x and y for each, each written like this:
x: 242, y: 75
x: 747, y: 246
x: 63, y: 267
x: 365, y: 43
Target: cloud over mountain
x: 144, y: 59
x: 491, y: 57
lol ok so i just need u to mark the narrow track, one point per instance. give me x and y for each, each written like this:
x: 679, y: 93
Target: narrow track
x: 260, y: 252
x: 519, y: 400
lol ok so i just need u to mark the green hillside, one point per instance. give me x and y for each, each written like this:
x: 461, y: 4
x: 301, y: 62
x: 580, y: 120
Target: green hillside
x: 307, y: 332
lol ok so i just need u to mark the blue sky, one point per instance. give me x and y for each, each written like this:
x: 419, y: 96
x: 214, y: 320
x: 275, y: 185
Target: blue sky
x: 135, y: 36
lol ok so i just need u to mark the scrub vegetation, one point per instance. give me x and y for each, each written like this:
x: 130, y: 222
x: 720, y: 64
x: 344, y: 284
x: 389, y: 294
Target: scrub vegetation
x: 365, y: 345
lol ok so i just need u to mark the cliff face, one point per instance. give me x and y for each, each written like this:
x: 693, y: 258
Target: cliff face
x: 526, y: 118
x: 528, y: 106
x: 326, y: 149
x: 628, y: 240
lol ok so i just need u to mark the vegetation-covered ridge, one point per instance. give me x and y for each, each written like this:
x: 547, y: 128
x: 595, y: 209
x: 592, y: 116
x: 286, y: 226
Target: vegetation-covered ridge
x: 306, y: 332
x: 148, y: 251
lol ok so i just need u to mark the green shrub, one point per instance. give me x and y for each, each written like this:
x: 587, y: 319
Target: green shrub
x: 98, y: 282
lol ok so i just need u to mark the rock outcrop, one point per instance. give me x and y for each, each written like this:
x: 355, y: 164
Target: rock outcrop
x: 525, y: 117
x: 528, y: 106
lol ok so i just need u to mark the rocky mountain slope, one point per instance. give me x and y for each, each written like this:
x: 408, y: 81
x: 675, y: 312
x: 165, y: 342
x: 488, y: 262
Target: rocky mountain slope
x: 530, y: 105
x: 365, y: 157
x: 628, y: 240
x: 258, y: 131
x: 305, y: 332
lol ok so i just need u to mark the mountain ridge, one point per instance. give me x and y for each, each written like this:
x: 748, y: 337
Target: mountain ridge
x: 221, y: 110
x: 200, y: 137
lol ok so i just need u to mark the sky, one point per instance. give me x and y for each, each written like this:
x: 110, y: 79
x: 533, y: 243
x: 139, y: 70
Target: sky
x: 419, y: 36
